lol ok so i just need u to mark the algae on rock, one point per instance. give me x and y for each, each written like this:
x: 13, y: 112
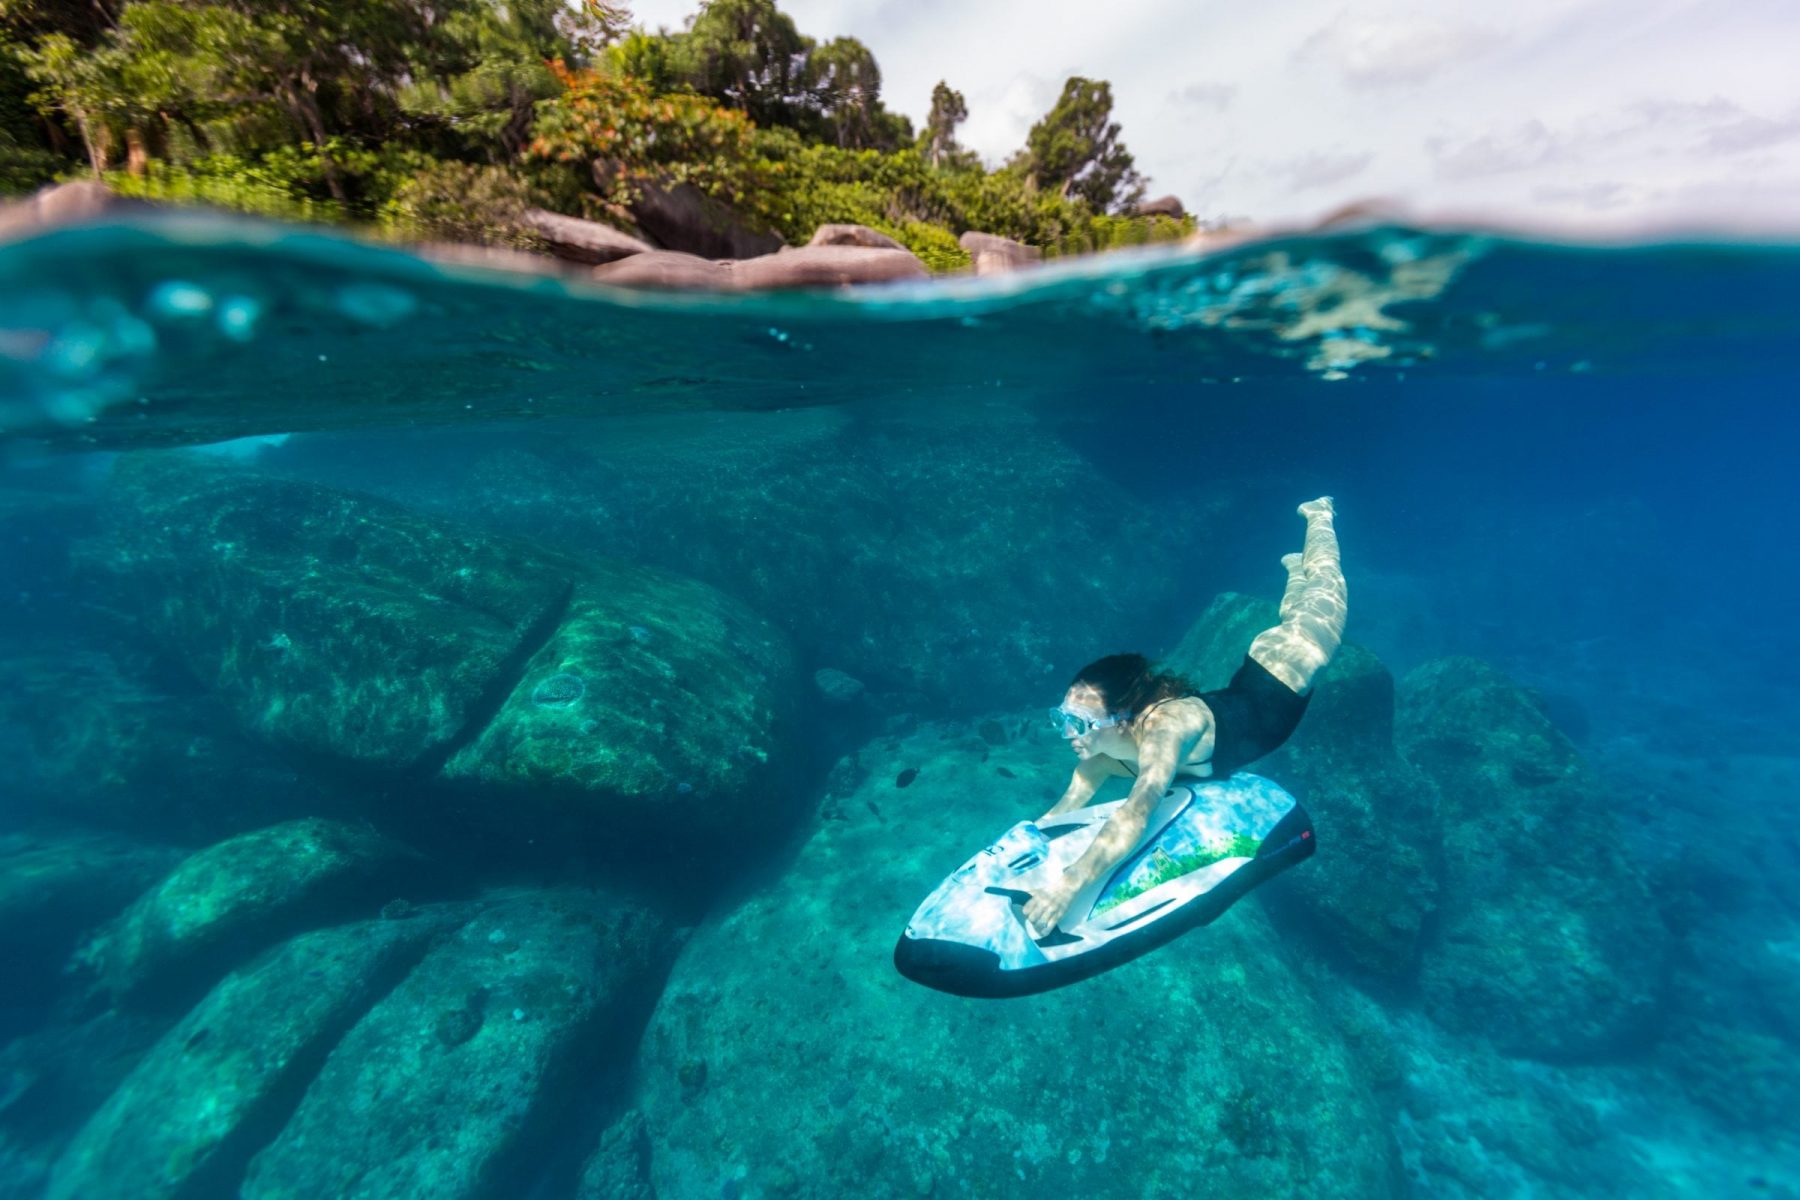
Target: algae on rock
x: 657, y: 703
x: 560, y: 699
x: 335, y: 623
x: 234, y: 897
x: 451, y: 1079
x: 187, y: 1119
x: 1548, y: 941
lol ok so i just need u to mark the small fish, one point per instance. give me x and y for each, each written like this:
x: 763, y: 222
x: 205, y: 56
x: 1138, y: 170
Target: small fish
x: 1004, y: 773
x: 905, y: 777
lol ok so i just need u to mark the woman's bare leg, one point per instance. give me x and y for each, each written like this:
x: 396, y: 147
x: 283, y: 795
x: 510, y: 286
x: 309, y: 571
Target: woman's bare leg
x: 1296, y: 584
x: 1313, y: 606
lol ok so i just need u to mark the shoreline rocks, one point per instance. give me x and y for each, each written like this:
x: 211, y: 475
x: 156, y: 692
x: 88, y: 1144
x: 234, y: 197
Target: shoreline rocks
x: 994, y: 255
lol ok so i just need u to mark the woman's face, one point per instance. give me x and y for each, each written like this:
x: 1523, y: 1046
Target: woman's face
x: 1085, y: 701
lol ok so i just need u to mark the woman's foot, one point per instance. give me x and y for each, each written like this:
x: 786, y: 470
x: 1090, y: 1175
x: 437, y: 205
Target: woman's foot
x: 1291, y: 562
x: 1321, y: 507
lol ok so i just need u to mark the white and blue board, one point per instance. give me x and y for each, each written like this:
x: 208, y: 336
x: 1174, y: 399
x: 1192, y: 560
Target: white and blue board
x: 1207, y: 843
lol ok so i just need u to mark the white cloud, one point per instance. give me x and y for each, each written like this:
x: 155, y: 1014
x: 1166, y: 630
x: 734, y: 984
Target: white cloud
x: 1216, y: 96
x: 1318, y: 169
x: 1385, y: 50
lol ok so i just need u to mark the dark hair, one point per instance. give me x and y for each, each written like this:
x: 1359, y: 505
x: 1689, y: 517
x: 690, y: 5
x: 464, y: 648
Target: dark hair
x: 1130, y: 683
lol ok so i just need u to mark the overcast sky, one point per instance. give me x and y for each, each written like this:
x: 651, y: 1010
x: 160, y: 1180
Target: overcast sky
x: 1608, y: 112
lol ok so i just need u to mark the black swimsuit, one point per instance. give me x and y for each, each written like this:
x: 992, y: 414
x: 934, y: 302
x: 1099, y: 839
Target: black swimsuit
x: 1252, y: 715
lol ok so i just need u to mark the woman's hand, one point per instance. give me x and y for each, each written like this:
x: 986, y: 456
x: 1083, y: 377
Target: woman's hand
x: 1049, y: 902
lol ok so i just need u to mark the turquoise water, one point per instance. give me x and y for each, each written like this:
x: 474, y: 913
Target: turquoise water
x: 481, y: 736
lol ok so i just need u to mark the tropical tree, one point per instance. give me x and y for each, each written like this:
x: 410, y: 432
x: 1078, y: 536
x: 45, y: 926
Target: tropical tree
x: 1075, y: 149
x: 844, y: 93
x: 947, y: 112
x: 747, y: 54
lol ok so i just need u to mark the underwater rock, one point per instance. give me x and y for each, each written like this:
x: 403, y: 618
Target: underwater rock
x: 56, y: 886
x: 1548, y: 940
x: 1747, y: 1076
x: 619, y: 1168
x: 988, y: 601
x: 522, y: 679
x: 447, y: 1086
x: 337, y: 623
x: 994, y: 255
x: 233, y: 897
x: 656, y: 704
x: 59, y: 1075
x: 1206, y: 1060
x: 1374, y: 883
x: 223, y: 1080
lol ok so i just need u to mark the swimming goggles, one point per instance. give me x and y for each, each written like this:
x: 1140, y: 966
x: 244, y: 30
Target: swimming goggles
x: 1074, y: 725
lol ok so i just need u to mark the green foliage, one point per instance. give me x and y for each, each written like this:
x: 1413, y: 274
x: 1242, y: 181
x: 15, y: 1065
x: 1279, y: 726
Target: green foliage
x: 493, y: 67
x: 653, y: 59
x: 935, y: 246
x: 637, y: 136
x: 287, y: 183
x: 458, y: 202
x: 1075, y: 149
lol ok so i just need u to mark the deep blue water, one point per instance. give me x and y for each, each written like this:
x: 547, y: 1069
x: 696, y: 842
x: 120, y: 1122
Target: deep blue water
x: 1573, y: 462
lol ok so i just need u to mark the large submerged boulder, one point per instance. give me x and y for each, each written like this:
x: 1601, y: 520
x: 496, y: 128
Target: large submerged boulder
x: 188, y: 1117
x: 328, y: 621
x: 656, y: 705
x: 1205, y: 1061
x: 451, y: 1084
x: 556, y: 694
x: 244, y: 892
x: 1373, y: 885
x: 1548, y: 941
